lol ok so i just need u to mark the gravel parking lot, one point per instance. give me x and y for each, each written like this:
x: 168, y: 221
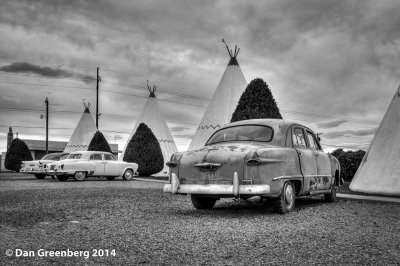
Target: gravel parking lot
x: 145, y: 226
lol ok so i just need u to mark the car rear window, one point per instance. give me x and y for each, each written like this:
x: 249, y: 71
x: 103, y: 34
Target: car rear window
x: 242, y: 133
x: 74, y: 156
x: 51, y: 157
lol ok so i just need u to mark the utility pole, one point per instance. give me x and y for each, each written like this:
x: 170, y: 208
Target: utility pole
x: 47, y: 125
x: 97, y: 98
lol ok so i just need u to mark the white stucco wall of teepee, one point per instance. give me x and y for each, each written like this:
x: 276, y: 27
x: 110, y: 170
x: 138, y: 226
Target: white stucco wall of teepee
x: 223, y: 104
x: 152, y: 117
x: 83, y: 133
x: 379, y: 171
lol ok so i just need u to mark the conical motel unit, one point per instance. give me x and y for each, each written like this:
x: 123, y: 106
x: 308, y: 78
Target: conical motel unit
x: 152, y: 117
x: 83, y: 132
x: 223, y: 103
x: 379, y: 171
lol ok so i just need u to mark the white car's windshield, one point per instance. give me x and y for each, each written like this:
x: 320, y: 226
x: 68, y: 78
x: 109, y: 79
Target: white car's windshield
x: 74, y: 156
x: 242, y: 133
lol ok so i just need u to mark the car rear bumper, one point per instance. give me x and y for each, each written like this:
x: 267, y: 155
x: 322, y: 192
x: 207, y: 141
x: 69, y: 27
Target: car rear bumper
x: 32, y: 171
x: 234, y: 190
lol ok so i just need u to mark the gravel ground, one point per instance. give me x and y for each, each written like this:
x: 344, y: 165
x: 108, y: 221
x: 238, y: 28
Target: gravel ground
x: 145, y: 226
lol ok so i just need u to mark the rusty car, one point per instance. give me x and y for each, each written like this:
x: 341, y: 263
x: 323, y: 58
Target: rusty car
x: 82, y: 164
x: 273, y: 159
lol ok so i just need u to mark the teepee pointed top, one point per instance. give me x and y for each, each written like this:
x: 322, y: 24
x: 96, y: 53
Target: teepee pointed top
x: 233, y: 55
x: 152, y: 90
x: 87, y: 106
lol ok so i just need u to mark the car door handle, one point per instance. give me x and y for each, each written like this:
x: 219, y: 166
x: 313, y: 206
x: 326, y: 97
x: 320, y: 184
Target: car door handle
x: 316, y: 154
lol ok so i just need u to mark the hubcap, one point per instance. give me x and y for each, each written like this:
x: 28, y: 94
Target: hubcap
x: 80, y: 175
x: 128, y: 175
x: 289, y: 196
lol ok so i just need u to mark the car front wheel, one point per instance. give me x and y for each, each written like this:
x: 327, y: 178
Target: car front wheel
x: 40, y: 176
x: 331, y: 197
x: 79, y: 176
x: 128, y: 175
x: 286, y: 201
x: 202, y: 203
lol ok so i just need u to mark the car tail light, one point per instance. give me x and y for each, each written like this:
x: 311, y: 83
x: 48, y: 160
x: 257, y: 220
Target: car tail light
x: 254, y: 162
x: 171, y: 164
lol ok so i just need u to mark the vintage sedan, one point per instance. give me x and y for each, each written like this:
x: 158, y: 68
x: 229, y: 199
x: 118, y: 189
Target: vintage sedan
x: 38, y: 167
x: 82, y: 164
x: 270, y: 158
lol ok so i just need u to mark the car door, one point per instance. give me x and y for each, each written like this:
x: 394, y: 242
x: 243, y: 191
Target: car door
x: 97, y: 160
x: 111, y: 166
x: 323, y: 163
x: 307, y: 159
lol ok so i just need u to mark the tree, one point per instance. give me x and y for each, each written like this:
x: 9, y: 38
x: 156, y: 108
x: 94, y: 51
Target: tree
x: 16, y: 153
x: 349, y: 162
x: 99, y: 143
x: 144, y: 149
x: 256, y: 102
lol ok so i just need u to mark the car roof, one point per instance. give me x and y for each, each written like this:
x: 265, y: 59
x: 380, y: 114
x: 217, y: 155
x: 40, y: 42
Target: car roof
x: 274, y: 123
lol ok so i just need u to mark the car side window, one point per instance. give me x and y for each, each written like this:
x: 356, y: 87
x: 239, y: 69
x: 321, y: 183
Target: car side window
x: 298, y: 137
x: 109, y: 157
x: 96, y: 157
x: 312, y: 141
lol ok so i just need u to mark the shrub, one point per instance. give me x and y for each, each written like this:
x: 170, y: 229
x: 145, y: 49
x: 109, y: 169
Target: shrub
x: 256, y: 102
x: 349, y: 162
x: 144, y: 149
x: 16, y: 153
x: 99, y: 143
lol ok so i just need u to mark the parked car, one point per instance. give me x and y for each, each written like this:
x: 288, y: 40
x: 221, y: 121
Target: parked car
x: 38, y: 167
x: 82, y: 164
x: 270, y: 158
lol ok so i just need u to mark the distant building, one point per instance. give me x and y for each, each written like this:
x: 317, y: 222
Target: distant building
x: 38, y: 148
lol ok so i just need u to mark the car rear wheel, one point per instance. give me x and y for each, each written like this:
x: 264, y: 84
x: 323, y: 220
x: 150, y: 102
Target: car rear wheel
x: 128, y: 175
x: 110, y: 177
x: 202, y: 203
x: 331, y: 197
x: 79, y: 176
x: 286, y: 201
x: 62, y: 177
x: 40, y: 176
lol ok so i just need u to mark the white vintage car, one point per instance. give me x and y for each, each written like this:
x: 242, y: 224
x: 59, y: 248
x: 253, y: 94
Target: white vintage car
x: 38, y: 167
x: 82, y: 164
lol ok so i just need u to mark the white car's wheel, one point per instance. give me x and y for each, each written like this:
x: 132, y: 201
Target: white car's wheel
x: 79, y: 176
x: 128, y: 175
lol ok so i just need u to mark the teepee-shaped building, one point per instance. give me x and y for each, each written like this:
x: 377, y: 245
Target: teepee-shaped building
x: 223, y: 102
x: 83, y: 132
x: 379, y: 171
x: 152, y: 117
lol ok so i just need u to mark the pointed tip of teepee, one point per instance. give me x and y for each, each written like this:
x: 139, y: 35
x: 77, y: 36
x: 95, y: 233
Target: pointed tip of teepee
x: 151, y: 90
x: 233, y: 55
x: 87, y: 106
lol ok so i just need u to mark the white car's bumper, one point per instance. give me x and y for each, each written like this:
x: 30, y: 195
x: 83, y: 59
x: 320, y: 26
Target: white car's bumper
x: 234, y: 190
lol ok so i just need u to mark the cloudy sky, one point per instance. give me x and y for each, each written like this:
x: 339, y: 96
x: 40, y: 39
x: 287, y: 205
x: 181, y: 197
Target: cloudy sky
x: 332, y: 65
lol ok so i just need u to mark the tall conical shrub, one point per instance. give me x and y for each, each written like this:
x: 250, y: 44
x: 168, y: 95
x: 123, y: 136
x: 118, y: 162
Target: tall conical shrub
x: 99, y: 143
x: 16, y: 153
x: 256, y: 102
x: 145, y: 150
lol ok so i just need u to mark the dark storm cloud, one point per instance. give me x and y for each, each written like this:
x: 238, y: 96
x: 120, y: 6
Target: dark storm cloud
x: 24, y: 67
x: 334, y: 123
x: 355, y: 133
